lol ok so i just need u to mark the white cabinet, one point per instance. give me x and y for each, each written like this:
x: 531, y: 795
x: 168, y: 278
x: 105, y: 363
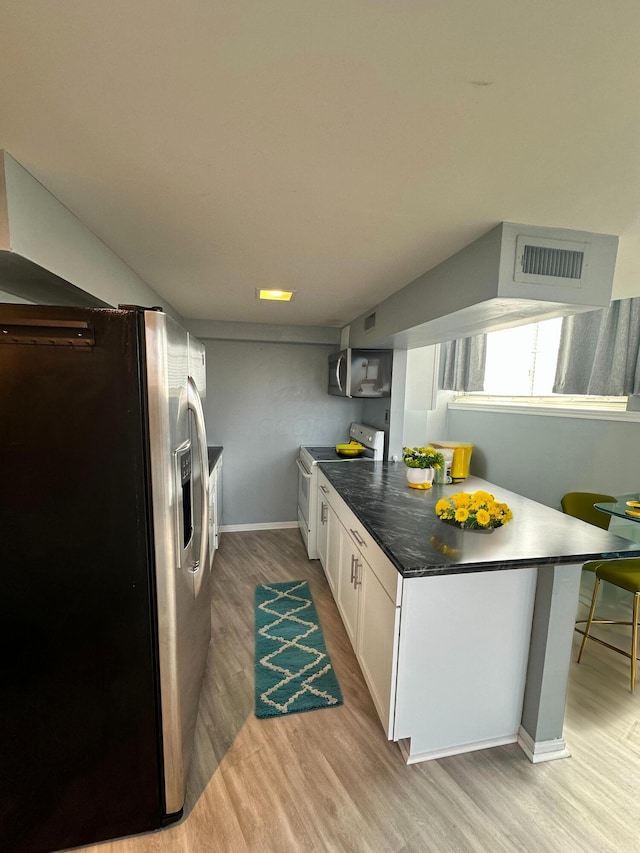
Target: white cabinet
x: 332, y: 560
x: 372, y: 621
x: 462, y: 661
x: 367, y: 591
x: 328, y: 530
x: 348, y: 597
x: 377, y: 647
x: 444, y: 678
x: 322, y: 520
x: 421, y: 676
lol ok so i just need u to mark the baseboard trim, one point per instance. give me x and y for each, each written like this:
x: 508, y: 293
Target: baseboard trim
x: 416, y: 758
x: 246, y: 528
x: 542, y: 750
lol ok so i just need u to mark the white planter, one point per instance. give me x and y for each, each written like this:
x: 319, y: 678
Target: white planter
x: 420, y: 478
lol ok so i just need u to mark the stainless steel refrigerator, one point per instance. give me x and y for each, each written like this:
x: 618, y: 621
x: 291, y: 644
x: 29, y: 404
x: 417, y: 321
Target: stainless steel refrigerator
x: 104, y: 571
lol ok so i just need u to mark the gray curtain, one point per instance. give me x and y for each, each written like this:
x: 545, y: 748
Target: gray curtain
x: 464, y: 362
x: 600, y: 351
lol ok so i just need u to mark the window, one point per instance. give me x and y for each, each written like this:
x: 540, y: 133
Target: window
x: 573, y: 361
x: 520, y: 371
x: 522, y: 361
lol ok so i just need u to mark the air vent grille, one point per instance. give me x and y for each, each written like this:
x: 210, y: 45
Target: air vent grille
x: 561, y: 263
x: 370, y: 321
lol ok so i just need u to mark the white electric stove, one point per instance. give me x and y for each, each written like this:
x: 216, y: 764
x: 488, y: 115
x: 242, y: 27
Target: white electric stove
x: 373, y: 442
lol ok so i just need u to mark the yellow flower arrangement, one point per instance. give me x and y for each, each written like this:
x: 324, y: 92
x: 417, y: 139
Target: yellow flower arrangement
x: 474, y: 510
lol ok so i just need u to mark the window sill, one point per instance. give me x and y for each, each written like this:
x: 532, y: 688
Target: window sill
x: 611, y: 412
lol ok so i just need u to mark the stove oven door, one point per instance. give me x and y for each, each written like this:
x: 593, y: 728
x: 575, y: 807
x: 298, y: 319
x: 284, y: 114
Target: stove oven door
x: 306, y: 507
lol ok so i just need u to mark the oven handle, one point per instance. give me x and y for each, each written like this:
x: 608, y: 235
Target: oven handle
x: 303, y: 470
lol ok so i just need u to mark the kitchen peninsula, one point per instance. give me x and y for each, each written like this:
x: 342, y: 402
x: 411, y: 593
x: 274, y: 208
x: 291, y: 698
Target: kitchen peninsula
x: 463, y: 637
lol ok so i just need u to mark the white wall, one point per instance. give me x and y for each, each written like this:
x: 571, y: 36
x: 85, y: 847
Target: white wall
x: 263, y: 401
x: 543, y: 457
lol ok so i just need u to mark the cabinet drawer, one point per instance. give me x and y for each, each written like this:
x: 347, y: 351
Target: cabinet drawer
x: 382, y: 567
x: 328, y: 493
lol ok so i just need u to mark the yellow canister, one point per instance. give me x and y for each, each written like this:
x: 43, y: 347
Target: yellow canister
x: 461, y: 458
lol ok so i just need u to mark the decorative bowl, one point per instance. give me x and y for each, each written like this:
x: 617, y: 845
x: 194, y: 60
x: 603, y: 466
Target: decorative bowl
x: 349, y: 449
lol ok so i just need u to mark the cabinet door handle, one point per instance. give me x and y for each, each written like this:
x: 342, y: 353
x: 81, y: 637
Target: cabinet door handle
x: 357, y: 537
x: 357, y: 580
x: 353, y: 563
x: 324, y: 513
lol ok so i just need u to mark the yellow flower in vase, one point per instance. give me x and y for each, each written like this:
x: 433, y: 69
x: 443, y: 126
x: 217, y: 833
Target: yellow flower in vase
x: 476, y: 511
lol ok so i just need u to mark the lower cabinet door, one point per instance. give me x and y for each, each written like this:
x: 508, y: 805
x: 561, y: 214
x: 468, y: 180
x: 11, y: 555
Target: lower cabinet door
x: 369, y: 614
x: 332, y: 560
x: 347, y: 597
x: 377, y: 644
x: 322, y: 528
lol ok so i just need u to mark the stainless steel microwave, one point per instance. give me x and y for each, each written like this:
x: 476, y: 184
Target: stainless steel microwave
x: 360, y: 373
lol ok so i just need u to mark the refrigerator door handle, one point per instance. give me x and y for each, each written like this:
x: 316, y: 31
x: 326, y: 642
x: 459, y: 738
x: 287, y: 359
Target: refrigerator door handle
x: 194, y: 404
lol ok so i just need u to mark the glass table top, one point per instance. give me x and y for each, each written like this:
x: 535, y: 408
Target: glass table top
x: 626, y: 506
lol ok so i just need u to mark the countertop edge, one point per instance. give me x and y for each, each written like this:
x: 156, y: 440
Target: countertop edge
x: 438, y: 569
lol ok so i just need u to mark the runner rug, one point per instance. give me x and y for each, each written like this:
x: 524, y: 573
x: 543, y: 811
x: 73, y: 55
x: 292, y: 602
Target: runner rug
x: 293, y: 669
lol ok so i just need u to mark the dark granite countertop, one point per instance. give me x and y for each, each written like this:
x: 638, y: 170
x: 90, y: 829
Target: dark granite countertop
x: 404, y: 524
x: 215, y: 452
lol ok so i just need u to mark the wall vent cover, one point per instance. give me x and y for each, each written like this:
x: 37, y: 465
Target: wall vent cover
x: 541, y: 260
x: 544, y: 261
x: 370, y: 321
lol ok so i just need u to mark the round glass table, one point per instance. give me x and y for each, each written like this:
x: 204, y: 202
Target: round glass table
x: 626, y: 506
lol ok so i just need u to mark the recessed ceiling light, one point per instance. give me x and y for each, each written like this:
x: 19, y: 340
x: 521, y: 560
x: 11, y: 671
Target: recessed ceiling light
x: 275, y: 295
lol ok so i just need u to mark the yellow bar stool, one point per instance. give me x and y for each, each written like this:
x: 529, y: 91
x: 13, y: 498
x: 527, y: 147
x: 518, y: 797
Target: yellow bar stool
x: 581, y: 505
x: 624, y: 574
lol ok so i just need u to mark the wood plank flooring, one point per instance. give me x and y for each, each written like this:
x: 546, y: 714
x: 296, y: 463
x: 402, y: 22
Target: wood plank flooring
x: 328, y: 780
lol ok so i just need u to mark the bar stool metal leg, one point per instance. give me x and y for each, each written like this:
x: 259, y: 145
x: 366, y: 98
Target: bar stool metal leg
x: 587, y: 628
x: 634, y: 640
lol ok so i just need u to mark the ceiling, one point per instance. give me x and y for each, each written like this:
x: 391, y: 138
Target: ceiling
x: 338, y: 149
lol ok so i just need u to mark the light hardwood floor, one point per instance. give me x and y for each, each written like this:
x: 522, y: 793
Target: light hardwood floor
x: 328, y: 780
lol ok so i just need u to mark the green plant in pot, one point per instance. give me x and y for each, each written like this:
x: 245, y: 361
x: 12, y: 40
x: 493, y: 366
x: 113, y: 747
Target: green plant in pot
x: 421, y: 464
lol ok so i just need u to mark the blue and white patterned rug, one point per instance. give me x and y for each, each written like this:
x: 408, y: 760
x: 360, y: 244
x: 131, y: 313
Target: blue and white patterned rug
x: 293, y: 671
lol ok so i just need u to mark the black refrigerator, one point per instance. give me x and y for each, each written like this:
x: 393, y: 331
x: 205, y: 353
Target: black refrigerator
x: 105, y: 592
